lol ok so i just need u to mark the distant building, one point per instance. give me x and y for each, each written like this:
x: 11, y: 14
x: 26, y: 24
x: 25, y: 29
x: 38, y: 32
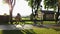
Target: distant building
x: 47, y: 15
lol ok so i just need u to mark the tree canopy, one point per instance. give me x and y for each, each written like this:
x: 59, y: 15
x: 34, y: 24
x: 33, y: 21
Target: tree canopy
x: 50, y: 3
x: 34, y: 3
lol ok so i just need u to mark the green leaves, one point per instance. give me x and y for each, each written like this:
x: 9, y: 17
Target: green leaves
x: 34, y: 3
x: 50, y: 3
x: 30, y: 2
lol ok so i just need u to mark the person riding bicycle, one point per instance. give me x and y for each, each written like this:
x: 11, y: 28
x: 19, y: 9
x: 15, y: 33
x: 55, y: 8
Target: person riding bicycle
x: 18, y: 18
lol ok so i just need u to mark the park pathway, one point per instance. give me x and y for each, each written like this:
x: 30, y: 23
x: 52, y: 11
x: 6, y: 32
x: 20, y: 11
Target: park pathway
x: 26, y: 26
x: 15, y: 27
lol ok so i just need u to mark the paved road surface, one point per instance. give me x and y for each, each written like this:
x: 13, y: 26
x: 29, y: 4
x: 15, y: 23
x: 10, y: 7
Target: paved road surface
x: 19, y: 27
x: 15, y: 27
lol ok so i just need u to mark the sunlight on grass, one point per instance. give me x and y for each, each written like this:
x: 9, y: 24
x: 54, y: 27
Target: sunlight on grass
x: 49, y: 22
x: 1, y: 32
x: 25, y: 18
x: 45, y: 31
x: 35, y: 30
x: 29, y: 22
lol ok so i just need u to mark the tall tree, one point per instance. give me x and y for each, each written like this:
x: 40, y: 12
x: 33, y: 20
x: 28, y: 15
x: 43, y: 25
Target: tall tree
x: 58, y: 9
x: 11, y: 4
x: 31, y: 4
x: 35, y: 4
x: 50, y: 4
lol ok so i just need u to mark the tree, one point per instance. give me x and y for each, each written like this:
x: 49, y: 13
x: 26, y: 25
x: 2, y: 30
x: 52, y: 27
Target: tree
x: 58, y: 9
x: 50, y: 4
x: 35, y: 4
x: 11, y: 4
x: 31, y: 4
x: 53, y: 4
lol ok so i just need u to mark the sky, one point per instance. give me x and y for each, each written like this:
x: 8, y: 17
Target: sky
x: 20, y: 7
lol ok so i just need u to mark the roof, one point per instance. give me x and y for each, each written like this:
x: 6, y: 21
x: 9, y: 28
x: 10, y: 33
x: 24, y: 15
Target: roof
x: 48, y: 12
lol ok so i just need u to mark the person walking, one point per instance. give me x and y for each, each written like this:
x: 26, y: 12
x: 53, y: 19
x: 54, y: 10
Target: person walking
x: 59, y: 19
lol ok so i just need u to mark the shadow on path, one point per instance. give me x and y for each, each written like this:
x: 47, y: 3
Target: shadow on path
x: 18, y: 32
x: 55, y: 26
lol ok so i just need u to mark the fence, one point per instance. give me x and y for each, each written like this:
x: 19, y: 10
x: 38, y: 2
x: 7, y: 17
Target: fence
x: 4, y: 19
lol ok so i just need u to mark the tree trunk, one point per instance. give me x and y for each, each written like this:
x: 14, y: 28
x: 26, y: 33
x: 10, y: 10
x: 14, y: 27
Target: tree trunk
x: 32, y: 13
x: 58, y: 9
x: 11, y: 16
x: 11, y: 5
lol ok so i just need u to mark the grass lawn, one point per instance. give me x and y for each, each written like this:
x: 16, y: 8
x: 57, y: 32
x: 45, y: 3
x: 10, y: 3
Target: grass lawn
x: 30, y: 22
x: 49, y: 22
x: 45, y: 31
x: 35, y: 30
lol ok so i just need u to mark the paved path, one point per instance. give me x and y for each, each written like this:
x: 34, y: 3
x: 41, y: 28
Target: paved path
x: 19, y: 27
x: 15, y: 27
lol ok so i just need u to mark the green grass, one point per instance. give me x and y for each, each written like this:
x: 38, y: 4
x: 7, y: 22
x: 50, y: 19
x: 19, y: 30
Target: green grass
x: 1, y: 32
x: 35, y: 30
x: 25, y: 18
x: 46, y: 31
x: 30, y: 22
x: 49, y: 22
